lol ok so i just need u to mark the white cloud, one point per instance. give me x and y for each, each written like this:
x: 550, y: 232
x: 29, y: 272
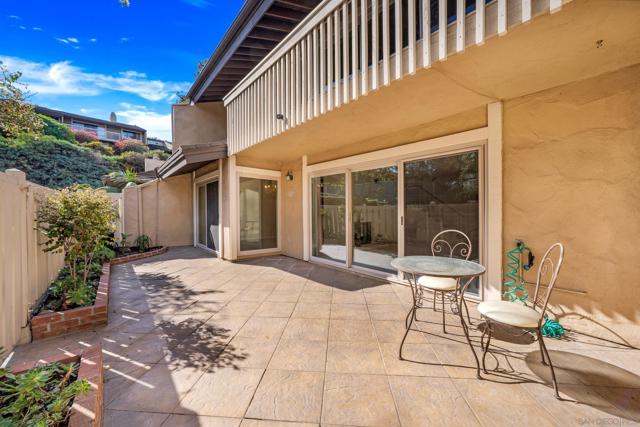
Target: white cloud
x: 36, y: 28
x: 157, y: 125
x: 22, y: 27
x: 67, y: 40
x: 93, y: 40
x: 63, y: 78
x: 124, y: 39
x: 14, y: 17
x: 197, y: 3
x: 87, y: 110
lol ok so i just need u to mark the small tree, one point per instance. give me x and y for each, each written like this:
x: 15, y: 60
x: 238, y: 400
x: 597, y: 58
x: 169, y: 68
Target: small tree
x: 16, y: 114
x: 134, y: 145
x: 78, y: 221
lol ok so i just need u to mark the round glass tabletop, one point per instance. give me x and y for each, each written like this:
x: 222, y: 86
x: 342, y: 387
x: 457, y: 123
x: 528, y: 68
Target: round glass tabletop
x: 437, y: 266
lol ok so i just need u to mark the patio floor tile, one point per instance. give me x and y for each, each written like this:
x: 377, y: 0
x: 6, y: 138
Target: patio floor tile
x: 200, y: 421
x: 392, y: 331
x: 263, y: 328
x: 351, y: 330
x: 359, y: 400
x: 360, y: 357
x: 231, y: 387
x: 419, y: 360
x: 349, y: 311
x: 265, y: 423
x: 288, y: 396
x: 315, y: 297
x: 144, y: 395
x: 423, y: 401
x: 275, y: 309
x: 296, y: 355
x: 307, y: 329
x: 114, y: 418
x: 312, y: 310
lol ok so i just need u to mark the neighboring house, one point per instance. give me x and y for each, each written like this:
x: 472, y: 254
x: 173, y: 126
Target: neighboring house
x: 108, y: 131
x: 159, y: 144
x: 348, y: 133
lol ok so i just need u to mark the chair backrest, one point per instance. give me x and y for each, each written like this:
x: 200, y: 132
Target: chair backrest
x: 549, y: 267
x: 452, y: 244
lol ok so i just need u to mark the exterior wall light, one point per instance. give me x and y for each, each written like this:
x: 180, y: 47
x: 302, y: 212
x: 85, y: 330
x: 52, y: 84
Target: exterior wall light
x: 289, y: 176
x: 280, y: 116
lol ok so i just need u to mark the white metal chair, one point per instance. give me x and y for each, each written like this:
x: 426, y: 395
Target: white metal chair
x: 527, y: 318
x: 458, y: 245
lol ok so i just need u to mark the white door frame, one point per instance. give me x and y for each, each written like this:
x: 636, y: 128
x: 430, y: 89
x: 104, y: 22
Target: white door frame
x: 490, y: 196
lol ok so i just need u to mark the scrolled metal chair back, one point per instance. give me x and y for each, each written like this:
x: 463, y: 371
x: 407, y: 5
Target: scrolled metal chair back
x: 548, y: 267
x: 452, y: 244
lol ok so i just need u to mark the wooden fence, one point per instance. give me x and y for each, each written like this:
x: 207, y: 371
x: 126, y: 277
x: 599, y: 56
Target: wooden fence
x: 25, y: 270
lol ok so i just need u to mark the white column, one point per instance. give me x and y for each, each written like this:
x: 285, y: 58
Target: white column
x: 493, y: 173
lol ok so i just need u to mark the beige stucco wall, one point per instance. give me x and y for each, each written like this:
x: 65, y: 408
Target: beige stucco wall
x: 198, y: 124
x: 292, y: 242
x: 571, y: 163
x: 162, y: 210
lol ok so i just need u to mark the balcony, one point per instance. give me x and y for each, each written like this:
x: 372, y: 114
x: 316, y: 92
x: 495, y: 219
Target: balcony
x: 329, y: 60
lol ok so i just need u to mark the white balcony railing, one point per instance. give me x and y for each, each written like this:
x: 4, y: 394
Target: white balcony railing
x: 329, y: 59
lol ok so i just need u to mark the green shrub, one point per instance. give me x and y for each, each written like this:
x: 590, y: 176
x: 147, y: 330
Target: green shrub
x: 99, y: 147
x: 162, y: 155
x: 56, y: 129
x: 125, y: 145
x: 40, y: 396
x: 79, y: 222
x: 129, y: 159
x: 52, y: 162
x: 143, y: 242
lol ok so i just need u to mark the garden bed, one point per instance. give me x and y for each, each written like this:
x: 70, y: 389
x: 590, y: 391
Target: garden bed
x: 48, y: 323
x: 85, y: 410
x: 136, y: 255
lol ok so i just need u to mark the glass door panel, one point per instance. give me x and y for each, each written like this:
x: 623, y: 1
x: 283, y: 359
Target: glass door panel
x: 374, y: 199
x: 441, y: 193
x: 213, y: 217
x: 202, y: 215
x: 328, y: 213
x: 258, y: 214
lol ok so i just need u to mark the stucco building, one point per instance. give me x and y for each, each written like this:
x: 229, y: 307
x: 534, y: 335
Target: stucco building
x: 349, y: 132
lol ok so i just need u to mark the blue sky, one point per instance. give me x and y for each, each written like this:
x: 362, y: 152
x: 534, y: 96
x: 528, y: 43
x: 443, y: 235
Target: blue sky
x: 93, y: 57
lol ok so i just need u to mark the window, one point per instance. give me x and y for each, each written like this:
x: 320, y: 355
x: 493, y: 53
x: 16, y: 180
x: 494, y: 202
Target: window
x: 127, y: 134
x: 258, y: 204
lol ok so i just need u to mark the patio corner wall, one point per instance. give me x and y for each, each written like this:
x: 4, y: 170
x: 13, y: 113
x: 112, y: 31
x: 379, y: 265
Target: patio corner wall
x: 161, y: 209
x: 571, y: 161
x: 25, y: 269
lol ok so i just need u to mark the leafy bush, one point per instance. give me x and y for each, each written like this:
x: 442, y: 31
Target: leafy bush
x: 120, y: 179
x: 77, y: 221
x: 161, y: 154
x: 99, y: 147
x: 16, y: 114
x: 40, y: 396
x: 83, y: 136
x: 56, y: 129
x: 53, y: 163
x: 134, y: 145
x: 143, y: 242
x: 129, y: 159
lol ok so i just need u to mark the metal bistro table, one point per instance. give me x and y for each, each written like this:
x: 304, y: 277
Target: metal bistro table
x: 423, y: 265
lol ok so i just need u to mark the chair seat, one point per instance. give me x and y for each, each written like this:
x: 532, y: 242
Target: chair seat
x: 438, y: 283
x: 510, y: 313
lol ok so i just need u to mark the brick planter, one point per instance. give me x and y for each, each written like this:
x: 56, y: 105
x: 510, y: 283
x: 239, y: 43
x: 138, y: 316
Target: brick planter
x: 86, y: 410
x: 53, y: 323
x: 135, y: 257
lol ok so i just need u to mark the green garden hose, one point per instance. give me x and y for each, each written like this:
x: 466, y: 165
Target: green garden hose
x: 514, y: 282
x: 515, y: 287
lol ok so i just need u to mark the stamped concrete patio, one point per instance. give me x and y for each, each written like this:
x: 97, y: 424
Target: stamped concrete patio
x: 196, y: 341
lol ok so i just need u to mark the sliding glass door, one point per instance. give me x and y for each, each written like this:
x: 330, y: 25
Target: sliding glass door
x: 208, y: 216
x: 329, y: 237
x: 438, y: 193
x: 442, y: 193
x: 374, y: 217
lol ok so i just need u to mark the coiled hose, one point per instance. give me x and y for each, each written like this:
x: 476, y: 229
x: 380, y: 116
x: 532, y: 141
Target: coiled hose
x: 513, y: 281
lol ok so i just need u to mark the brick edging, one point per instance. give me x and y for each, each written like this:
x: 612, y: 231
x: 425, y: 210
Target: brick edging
x: 55, y: 323
x: 86, y: 410
x: 135, y: 257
